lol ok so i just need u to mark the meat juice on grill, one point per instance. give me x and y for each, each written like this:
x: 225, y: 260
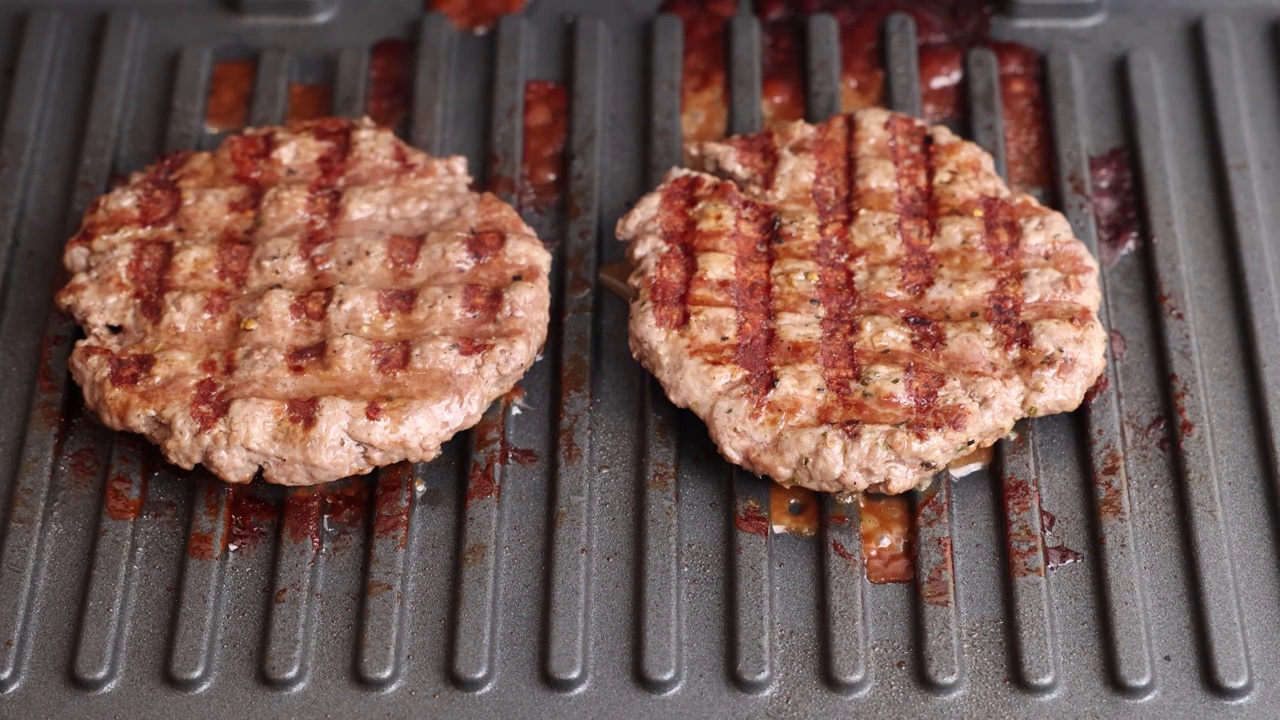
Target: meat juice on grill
x: 309, y: 102
x: 946, y: 30
x: 230, y: 90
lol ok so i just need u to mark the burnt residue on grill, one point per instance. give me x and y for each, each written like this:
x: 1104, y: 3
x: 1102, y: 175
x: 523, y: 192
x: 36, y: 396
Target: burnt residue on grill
x: 546, y: 132
x: 346, y: 503
x: 119, y: 502
x: 1179, y: 394
x: 83, y: 466
x: 1111, y: 504
x: 937, y: 586
x: 1055, y: 553
x: 1115, y: 206
x: 477, y: 16
x: 201, y: 545
x: 391, y: 505
x: 230, y: 90
x: 303, y: 507
x: 387, y: 97
x: 1158, y: 431
x: 1119, y: 345
x: 1024, y: 544
x: 492, y: 451
x: 253, y: 512
x: 49, y: 400
x: 750, y: 519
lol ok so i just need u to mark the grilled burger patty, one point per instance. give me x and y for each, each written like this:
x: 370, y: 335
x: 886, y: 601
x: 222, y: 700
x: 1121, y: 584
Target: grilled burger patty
x: 852, y: 305
x: 316, y: 300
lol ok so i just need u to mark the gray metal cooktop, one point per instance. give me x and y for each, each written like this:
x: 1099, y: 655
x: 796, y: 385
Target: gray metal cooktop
x: 607, y: 577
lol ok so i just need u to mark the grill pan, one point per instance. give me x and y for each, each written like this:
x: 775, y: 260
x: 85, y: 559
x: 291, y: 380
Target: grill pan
x: 605, y: 574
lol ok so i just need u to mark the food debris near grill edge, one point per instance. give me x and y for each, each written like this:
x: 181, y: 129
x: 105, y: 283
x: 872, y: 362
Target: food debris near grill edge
x: 855, y: 305
x: 314, y: 300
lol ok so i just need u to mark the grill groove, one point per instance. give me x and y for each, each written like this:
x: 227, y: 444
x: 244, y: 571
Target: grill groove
x: 1222, y: 627
x: 938, y: 631
x: 299, y: 562
x: 478, y: 595
x: 660, y: 622
x: 109, y: 592
x: 25, y: 531
x: 572, y: 552
x: 1253, y: 251
x: 1031, y: 630
x: 1125, y: 615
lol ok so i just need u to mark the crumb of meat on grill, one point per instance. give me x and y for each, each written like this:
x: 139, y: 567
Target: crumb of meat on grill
x: 313, y: 301
x: 854, y: 304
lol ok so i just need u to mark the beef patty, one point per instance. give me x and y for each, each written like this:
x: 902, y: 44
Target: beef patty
x: 852, y: 305
x: 316, y: 300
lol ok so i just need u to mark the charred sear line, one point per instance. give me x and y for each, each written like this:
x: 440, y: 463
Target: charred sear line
x: 1004, y: 304
x: 149, y: 274
x: 911, y: 148
x: 669, y: 287
x: 325, y: 199
x: 759, y: 155
x: 834, y: 192
x: 755, y: 234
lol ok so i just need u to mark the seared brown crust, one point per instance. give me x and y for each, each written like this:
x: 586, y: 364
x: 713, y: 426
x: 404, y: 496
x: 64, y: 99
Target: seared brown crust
x: 852, y: 305
x: 317, y: 300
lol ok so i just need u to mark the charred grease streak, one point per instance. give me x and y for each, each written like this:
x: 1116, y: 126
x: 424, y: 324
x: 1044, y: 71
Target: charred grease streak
x: 945, y: 30
x: 302, y: 511
x: 346, y: 502
x: 1025, y: 545
x: 938, y: 586
x: 119, y: 502
x: 751, y: 520
x: 1115, y: 205
x: 253, y: 512
x: 392, y: 505
x: 1055, y: 553
x: 83, y: 465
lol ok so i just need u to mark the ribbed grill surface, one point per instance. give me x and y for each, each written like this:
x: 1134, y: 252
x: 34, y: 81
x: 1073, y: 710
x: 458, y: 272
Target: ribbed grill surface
x: 577, y: 553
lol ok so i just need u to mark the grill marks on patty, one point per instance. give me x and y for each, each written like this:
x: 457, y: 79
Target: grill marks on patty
x: 755, y: 235
x: 755, y: 238
x: 848, y: 305
x: 669, y: 286
x: 1005, y: 304
x: 911, y: 150
x: 834, y: 193
x: 301, y: 270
